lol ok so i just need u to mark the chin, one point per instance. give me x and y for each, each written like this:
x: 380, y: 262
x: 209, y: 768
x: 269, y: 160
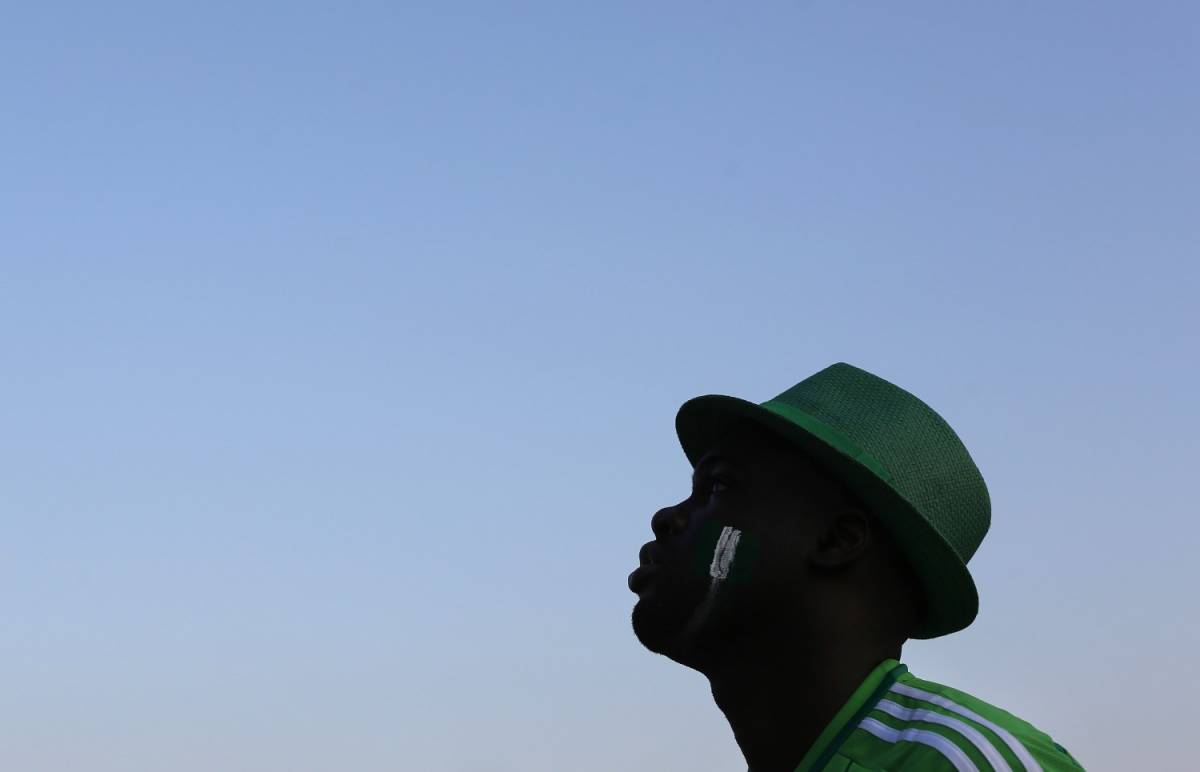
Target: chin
x: 660, y: 622
x: 650, y: 628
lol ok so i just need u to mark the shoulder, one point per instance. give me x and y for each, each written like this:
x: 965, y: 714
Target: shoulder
x: 919, y: 724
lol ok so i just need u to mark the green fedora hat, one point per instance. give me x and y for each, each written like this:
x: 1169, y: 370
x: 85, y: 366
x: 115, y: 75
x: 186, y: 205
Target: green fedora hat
x: 895, y: 453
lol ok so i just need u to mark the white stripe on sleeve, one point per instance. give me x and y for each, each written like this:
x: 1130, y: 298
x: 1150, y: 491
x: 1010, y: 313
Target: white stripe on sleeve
x: 966, y: 730
x: 960, y: 760
x: 1013, y: 743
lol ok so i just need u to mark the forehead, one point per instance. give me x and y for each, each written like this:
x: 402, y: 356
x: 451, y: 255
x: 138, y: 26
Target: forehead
x: 773, y: 467
x: 752, y: 448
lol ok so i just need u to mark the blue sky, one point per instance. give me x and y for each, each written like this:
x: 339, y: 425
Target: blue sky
x: 344, y: 343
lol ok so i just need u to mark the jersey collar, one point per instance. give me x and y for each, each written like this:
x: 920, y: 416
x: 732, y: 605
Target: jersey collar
x: 862, y: 702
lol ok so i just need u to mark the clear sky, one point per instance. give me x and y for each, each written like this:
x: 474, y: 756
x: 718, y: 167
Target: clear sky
x: 343, y: 344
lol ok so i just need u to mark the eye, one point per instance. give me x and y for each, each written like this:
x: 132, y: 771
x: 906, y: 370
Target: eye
x: 708, y: 483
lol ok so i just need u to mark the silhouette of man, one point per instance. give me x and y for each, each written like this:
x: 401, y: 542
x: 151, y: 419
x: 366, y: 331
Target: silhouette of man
x: 824, y: 529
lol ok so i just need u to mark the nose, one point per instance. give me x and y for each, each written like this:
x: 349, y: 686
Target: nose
x: 668, y: 522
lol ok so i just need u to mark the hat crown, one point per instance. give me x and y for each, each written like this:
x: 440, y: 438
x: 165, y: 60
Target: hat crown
x: 928, y: 463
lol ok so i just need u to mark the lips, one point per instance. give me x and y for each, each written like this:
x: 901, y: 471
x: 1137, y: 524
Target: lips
x: 641, y: 576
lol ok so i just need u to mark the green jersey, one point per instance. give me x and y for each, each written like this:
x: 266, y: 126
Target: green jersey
x: 897, y: 722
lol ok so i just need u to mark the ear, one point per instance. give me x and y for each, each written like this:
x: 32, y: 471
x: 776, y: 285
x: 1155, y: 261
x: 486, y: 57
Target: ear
x: 846, y: 535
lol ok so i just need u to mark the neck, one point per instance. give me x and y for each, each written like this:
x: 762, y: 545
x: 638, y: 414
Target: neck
x: 780, y: 698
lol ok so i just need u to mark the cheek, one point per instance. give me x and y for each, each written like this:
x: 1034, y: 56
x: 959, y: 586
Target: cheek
x: 782, y: 556
x: 723, y: 553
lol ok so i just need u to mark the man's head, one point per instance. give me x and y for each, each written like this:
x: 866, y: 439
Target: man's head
x: 898, y: 457
x: 821, y: 565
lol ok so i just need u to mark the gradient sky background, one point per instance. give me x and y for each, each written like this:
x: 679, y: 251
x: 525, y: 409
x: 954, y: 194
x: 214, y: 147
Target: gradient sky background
x: 343, y: 343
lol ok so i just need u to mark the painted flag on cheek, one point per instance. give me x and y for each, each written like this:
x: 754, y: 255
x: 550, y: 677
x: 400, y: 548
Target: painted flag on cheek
x: 723, y: 553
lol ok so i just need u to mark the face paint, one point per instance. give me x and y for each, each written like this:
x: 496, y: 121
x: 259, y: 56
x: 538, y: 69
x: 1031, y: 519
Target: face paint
x: 729, y: 554
x: 724, y: 553
x: 716, y: 548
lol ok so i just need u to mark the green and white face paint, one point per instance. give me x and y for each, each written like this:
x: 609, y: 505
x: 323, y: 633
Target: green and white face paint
x: 726, y: 555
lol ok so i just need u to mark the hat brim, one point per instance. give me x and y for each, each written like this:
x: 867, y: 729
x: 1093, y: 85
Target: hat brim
x: 951, y: 599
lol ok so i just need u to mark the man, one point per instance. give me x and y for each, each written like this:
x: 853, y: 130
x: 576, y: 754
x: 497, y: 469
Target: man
x: 824, y: 529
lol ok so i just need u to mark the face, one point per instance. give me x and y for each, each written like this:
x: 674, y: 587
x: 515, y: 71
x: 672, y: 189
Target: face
x: 750, y: 481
